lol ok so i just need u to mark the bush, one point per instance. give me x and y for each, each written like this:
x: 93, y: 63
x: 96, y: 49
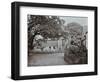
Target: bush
x: 76, y: 54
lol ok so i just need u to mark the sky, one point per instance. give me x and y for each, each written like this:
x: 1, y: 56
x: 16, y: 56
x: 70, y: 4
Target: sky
x: 81, y: 20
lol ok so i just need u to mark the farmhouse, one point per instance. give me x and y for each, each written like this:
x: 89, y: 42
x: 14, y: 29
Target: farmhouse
x: 53, y: 45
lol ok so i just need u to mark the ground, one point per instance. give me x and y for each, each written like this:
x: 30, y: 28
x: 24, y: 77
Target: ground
x: 46, y: 59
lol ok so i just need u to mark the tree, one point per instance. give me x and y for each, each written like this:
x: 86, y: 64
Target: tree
x: 77, y: 51
x: 47, y: 26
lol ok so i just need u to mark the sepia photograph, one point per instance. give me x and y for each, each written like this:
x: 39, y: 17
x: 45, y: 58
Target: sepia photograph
x: 57, y: 40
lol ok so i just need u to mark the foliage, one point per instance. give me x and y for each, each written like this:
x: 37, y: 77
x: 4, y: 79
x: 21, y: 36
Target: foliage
x: 47, y: 26
x: 77, y: 51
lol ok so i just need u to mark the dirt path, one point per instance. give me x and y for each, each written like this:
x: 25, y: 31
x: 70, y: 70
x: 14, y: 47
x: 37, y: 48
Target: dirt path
x: 46, y: 59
